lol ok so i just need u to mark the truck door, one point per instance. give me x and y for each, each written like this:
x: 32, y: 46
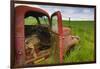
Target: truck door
x: 56, y: 26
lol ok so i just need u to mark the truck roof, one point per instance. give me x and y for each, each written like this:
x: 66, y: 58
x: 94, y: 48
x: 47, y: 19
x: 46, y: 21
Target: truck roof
x: 29, y: 11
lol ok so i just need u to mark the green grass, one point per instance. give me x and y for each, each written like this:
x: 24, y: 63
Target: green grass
x: 84, y: 51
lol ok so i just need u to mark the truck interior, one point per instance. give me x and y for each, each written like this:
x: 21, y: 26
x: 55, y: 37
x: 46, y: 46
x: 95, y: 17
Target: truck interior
x: 37, y: 36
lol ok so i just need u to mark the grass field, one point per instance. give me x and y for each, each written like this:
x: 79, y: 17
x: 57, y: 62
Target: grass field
x: 84, y: 51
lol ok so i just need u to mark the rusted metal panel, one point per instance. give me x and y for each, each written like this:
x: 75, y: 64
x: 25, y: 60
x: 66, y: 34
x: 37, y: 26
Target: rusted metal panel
x: 19, y: 37
x: 20, y: 12
x: 20, y: 51
x: 60, y: 33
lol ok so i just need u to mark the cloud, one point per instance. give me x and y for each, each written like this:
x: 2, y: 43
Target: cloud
x: 76, y: 13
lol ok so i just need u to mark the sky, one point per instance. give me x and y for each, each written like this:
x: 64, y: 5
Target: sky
x: 75, y: 13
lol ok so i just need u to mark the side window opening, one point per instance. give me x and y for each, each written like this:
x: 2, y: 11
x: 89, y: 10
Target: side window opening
x: 30, y: 21
x: 54, y: 24
x: 43, y: 20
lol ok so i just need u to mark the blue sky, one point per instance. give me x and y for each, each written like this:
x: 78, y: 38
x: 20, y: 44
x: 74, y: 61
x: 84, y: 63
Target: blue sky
x: 75, y: 13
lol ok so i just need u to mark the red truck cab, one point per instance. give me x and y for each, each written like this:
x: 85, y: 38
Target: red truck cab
x: 21, y: 12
